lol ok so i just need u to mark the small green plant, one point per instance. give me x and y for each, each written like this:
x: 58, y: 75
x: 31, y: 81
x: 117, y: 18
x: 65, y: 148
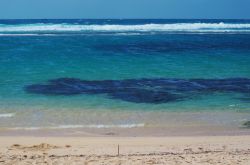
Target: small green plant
x: 246, y: 124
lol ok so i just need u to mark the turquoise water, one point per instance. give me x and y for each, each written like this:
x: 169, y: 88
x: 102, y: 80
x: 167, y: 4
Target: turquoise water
x: 41, y: 53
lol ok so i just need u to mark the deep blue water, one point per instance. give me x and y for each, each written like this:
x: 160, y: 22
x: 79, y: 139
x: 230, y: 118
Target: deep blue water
x: 34, y: 52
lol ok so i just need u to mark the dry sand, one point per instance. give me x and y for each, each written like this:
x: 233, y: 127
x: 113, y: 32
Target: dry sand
x: 132, y: 150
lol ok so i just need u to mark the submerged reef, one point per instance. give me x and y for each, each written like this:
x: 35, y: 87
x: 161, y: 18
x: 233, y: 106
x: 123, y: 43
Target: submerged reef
x: 154, y: 91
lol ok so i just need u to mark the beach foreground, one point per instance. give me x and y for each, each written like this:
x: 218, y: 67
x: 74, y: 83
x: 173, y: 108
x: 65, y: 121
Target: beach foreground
x: 132, y: 150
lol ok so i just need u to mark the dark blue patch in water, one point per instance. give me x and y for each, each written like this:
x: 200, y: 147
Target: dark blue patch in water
x: 173, y: 43
x: 142, y: 90
x: 154, y: 91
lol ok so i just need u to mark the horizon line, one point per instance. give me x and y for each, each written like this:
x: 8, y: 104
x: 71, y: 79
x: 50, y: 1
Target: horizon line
x: 125, y: 18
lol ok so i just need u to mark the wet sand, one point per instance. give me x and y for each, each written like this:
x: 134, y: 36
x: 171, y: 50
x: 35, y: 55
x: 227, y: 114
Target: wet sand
x: 132, y: 150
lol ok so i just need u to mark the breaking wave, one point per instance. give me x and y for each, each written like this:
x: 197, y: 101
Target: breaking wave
x: 5, y: 115
x: 81, y: 126
x: 175, y: 27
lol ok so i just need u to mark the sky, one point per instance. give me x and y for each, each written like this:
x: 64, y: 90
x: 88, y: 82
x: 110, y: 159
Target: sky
x: 32, y: 9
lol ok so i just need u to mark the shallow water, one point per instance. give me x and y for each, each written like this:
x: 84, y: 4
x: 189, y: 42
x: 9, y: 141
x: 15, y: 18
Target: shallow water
x: 36, y: 51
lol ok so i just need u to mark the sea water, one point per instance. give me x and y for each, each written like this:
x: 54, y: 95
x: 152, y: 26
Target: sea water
x: 38, y: 51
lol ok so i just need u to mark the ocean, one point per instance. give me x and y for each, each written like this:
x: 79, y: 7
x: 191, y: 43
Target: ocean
x: 84, y: 73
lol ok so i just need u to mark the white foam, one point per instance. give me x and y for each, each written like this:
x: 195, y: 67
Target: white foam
x: 192, y: 27
x: 81, y: 126
x: 5, y: 115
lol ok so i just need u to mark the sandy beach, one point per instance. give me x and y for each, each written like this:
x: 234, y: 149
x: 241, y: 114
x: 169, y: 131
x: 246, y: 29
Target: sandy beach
x: 132, y: 150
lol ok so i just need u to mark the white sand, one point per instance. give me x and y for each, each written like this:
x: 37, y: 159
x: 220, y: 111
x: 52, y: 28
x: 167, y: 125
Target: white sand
x: 133, y: 150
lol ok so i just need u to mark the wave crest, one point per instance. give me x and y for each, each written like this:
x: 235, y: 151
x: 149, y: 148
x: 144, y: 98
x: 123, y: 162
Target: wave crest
x: 6, y: 115
x: 81, y: 126
x: 189, y: 27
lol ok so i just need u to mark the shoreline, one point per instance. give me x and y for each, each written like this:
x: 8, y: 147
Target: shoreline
x: 132, y: 150
x: 144, y: 131
x: 126, y: 124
